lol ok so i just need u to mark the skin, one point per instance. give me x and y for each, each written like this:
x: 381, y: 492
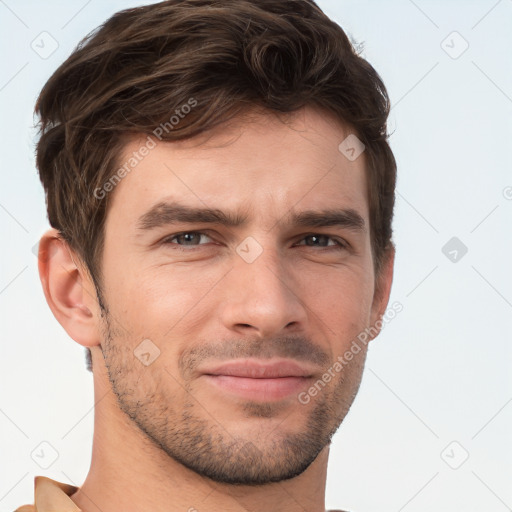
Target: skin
x: 166, y: 438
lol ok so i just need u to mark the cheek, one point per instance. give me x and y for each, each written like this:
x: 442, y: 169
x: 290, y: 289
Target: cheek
x: 342, y: 299
x: 341, y: 306
x: 160, y: 299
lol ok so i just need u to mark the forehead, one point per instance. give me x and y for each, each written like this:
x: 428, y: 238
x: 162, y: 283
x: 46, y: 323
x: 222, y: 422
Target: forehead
x: 259, y: 164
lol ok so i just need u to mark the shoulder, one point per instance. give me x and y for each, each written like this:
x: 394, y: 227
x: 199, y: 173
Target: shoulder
x: 26, y: 508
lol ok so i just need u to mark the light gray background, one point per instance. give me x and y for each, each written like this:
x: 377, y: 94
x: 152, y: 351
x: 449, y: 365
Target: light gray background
x: 441, y: 370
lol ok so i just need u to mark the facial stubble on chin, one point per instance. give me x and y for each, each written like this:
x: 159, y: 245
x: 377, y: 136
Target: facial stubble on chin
x: 197, y: 440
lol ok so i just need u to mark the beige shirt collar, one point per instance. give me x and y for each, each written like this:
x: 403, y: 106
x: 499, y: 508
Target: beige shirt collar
x: 51, y: 496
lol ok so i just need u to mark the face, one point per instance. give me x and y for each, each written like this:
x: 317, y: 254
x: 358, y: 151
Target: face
x: 237, y: 270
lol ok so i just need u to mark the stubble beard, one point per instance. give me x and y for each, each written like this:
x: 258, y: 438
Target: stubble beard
x: 195, y: 439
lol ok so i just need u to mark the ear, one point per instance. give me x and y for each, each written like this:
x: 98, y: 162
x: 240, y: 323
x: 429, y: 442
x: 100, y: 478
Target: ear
x: 382, y: 289
x: 68, y: 289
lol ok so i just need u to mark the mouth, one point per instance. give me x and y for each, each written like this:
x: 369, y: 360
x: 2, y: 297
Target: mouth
x: 259, y: 380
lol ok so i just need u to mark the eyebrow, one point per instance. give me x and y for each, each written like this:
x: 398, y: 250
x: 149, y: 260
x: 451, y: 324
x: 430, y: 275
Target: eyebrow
x: 165, y: 213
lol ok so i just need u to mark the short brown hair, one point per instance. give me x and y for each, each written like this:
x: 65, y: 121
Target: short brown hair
x: 131, y: 74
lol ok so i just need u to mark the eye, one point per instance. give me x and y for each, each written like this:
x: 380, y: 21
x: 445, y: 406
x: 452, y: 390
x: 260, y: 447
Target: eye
x: 187, y: 238
x: 319, y: 240
x: 197, y: 238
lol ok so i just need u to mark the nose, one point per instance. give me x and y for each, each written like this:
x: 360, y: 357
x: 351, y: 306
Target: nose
x: 262, y: 298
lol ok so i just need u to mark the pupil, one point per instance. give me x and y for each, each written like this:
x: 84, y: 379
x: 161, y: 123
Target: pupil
x: 189, y: 237
x: 313, y: 239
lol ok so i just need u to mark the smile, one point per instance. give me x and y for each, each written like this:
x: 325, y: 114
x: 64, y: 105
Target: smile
x: 259, y: 380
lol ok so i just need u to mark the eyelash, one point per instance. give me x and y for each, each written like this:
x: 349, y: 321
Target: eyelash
x: 340, y: 245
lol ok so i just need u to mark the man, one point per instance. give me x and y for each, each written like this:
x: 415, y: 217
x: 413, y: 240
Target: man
x: 220, y: 190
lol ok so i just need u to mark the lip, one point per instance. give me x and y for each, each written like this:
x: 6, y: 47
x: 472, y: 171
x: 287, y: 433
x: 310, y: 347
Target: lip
x: 261, y: 381
x: 260, y: 369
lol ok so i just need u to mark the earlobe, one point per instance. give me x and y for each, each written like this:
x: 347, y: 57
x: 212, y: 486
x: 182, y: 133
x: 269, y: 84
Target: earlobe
x: 68, y: 289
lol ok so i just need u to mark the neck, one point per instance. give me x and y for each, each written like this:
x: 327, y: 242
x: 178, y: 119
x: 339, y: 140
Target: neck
x: 130, y: 473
